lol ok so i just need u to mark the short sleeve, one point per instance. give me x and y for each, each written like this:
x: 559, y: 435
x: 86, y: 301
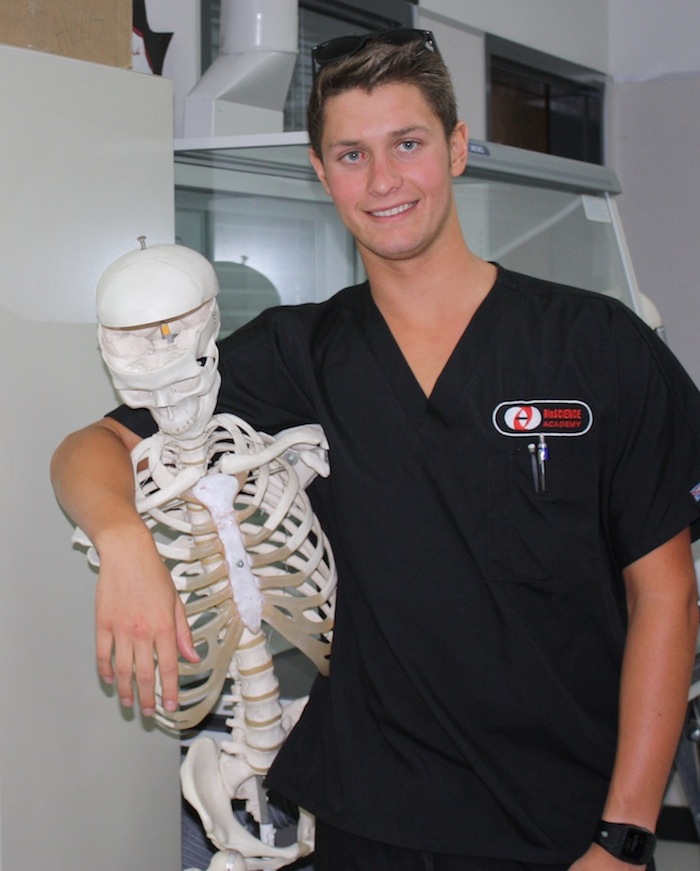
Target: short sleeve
x: 266, y: 375
x: 654, y: 489
x: 138, y: 420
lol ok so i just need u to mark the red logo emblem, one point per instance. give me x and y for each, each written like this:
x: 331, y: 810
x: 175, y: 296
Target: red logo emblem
x: 559, y: 417
x: 522, y: 418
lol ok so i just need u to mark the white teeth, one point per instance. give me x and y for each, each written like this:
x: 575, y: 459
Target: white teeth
x: 388, y: 213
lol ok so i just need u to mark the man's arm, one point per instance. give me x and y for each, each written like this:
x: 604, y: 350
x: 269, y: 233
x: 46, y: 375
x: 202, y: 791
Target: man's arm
x: 659, y: 654
x: 138, y: 612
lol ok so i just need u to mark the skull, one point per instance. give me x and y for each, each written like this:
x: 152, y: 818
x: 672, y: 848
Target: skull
x: 158, y: 326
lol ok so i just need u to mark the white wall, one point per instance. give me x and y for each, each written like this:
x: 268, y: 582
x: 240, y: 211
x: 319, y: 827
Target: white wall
x: 576, y: 30
x: 653, y: 131
x: 462, y: 48
x: 651, y: 51
x: 85, y: 167
x: 650, y: 39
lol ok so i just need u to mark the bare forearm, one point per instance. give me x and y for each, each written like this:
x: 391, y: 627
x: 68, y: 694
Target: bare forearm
x: 658, y: 663
x: 138, y: 613
x: 658, y: 660
x: 92, y: 476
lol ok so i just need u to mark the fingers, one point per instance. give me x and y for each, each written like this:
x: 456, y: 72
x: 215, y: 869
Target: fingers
x: 167, y: 653
x: 169, y: 676
x: 103, y: 651
x: 144, y: 676
x: 184, y: 634
x: 132, y: 666
x: 131, y: 644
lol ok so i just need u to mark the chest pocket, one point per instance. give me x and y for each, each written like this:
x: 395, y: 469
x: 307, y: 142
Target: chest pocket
x: 539, y: 529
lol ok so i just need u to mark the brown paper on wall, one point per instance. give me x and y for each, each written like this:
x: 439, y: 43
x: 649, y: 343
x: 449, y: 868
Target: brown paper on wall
x: 92, y: 30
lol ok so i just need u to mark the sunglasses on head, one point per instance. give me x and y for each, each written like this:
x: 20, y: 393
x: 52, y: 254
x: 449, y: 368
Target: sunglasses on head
x: 344, y: 46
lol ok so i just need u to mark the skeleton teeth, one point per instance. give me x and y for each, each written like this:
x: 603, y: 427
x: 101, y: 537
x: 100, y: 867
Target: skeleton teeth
x: 388, y: 213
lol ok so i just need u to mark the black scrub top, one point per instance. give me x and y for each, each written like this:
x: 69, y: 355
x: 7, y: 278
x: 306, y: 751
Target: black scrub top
x: 480, y: 535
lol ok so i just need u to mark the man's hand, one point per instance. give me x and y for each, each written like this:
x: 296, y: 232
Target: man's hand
x: 139, y: 620
x: 598, y: 859
x: 139, y: 615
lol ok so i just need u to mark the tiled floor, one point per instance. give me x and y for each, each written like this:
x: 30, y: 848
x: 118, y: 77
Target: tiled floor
x: 677, y: 856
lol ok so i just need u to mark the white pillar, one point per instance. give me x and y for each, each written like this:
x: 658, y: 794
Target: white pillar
x: 85, y: 167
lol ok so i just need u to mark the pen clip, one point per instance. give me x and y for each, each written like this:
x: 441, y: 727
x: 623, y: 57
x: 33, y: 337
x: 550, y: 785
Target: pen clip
x: 542, y: 457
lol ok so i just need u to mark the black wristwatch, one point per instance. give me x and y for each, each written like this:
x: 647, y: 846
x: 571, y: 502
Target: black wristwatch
x: 626, y: 842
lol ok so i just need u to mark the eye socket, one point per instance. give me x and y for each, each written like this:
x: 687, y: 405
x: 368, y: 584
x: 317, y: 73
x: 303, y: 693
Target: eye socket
x: 135, y: 398
x: 187, y: 385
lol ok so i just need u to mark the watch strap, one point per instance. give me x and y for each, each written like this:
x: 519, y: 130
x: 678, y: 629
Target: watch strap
x: 626, y: 841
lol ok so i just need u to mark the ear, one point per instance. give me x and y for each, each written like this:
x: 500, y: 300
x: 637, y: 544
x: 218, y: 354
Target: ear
x: 459, y: 149
x: 317, y: 164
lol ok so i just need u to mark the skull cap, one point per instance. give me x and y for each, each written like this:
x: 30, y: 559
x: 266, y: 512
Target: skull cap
x: 154, y: 284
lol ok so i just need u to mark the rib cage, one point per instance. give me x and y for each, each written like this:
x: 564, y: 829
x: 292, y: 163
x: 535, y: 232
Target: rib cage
x: 289, y: 554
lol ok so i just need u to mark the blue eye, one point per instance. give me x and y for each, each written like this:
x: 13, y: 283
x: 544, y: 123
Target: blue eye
x: 352, y: 156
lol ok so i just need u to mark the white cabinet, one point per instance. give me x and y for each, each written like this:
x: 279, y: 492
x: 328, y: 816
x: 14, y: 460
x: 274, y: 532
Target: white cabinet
x: 85, y: 167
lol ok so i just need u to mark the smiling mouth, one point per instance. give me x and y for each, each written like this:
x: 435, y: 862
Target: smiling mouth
x: 397, y: 210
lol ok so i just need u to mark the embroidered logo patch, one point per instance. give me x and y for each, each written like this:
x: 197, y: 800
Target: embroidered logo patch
x: 557, y: 417
x: 695, y: 492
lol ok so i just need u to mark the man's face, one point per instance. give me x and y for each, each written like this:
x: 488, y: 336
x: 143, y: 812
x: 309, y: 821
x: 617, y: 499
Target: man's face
x: 389, y: 167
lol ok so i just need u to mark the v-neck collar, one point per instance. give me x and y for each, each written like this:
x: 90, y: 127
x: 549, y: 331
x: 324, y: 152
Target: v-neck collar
x: 460, y: 367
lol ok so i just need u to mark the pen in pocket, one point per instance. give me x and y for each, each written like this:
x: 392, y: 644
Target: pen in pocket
x: 532, y: 448
x: 542, y: 457
x: 539, y: 454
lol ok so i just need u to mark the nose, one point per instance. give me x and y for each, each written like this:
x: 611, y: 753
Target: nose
x: 384, y: 176
x: 162, y: 398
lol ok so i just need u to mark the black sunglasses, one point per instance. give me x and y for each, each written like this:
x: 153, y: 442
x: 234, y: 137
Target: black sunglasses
x: 343, y: 46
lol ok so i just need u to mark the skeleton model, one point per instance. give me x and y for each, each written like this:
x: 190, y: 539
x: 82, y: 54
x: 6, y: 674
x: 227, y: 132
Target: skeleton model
x: 231, y: 519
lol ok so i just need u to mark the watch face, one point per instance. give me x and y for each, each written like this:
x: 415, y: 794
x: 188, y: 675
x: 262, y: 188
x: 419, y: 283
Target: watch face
x: 635, y: 843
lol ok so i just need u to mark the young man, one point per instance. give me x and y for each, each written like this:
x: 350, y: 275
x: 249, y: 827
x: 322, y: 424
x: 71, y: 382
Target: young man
x: 513, y: 643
